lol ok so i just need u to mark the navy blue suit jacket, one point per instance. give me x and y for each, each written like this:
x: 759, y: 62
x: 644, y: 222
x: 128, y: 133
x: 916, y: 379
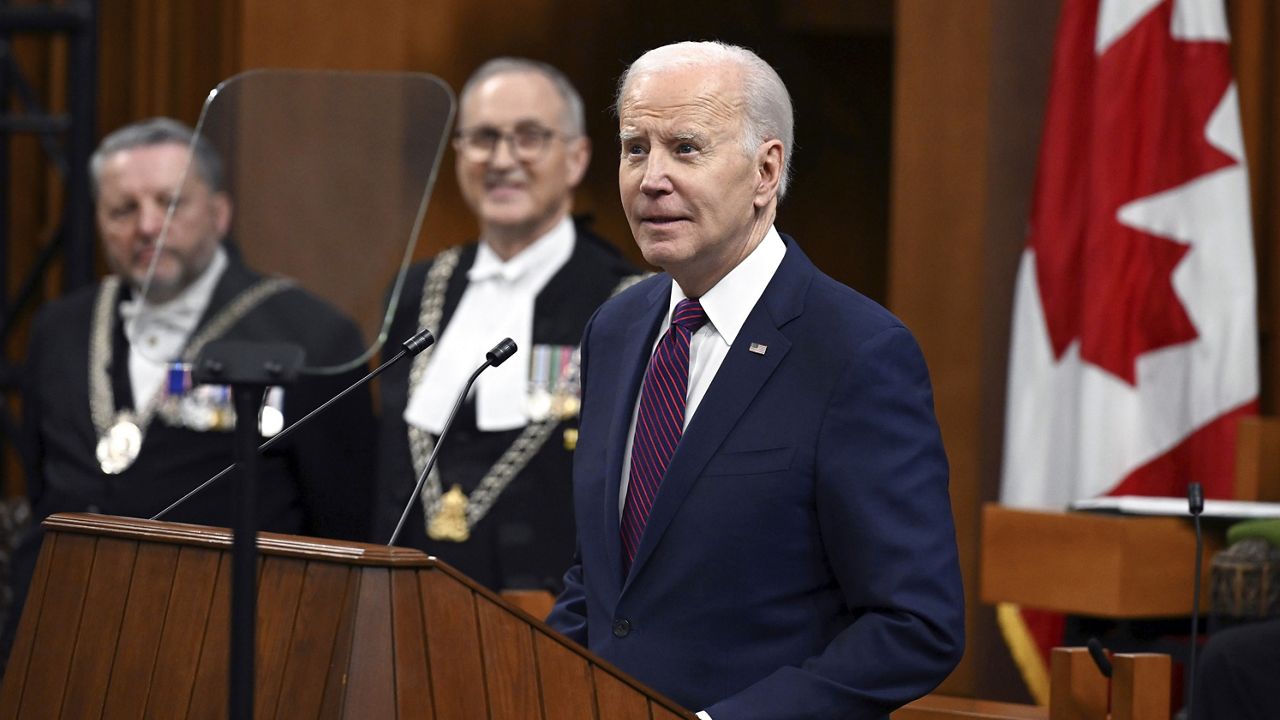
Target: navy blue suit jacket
x: 800, y: 558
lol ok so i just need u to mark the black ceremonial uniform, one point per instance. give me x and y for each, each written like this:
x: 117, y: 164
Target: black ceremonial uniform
x: 525, y: 539
x: 315, y: 482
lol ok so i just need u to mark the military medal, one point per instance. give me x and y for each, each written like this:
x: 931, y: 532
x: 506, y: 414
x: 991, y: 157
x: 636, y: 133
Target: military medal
x: 450, y: 523
x: 120, y: 445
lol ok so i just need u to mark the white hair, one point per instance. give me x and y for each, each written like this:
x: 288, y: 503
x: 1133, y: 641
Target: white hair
x: 769, y: 115
x: 574, y: 118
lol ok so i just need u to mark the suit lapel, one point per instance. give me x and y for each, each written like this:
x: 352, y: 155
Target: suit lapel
x: 632, y: 359
x: 736, y: 384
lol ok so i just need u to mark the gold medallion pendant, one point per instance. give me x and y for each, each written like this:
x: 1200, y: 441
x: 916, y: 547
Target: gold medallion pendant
x: 450, y: 523
x: 120, y: 445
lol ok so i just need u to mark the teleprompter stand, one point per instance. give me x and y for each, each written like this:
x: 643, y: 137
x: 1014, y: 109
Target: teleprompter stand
x: 249, y: 368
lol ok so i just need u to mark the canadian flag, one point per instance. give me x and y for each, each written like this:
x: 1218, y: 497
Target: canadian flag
x: 1134, y: 346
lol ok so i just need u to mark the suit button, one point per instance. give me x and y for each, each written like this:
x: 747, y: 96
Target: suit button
x: 621, y: 628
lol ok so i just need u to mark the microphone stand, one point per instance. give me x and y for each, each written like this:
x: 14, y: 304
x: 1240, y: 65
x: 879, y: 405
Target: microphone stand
x: 1195, y: 501
x: 414, y: 345
x: 493, y: 358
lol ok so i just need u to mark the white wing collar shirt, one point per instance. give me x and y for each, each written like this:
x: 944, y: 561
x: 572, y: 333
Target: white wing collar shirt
x: 162, y: 330
x: 497, y: 303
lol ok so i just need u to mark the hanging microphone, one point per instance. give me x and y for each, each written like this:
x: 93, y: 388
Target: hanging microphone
x: 414, y: 345
x: 495, y: 357
x: 1195, y: 503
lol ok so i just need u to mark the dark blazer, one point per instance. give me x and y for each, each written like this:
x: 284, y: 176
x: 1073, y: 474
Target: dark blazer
x: 526, y: 539
x: 800, y: 559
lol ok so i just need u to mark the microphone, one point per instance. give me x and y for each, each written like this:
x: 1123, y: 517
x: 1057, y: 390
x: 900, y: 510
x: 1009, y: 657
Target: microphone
x: 414, y: 345
x: 1195, y: 504
x: 495, y: 357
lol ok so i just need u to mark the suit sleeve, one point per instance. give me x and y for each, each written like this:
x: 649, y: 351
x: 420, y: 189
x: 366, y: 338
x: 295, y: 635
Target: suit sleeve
x: 335, y: 453
x: 884, y: 511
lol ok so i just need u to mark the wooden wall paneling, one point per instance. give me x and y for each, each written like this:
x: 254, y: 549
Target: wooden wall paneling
x: 113, y: 562
x: 189, y: 604
x: 371, y: 681
x: 616, y: 700
x: 510, y: 666
x: 209, y: 694
x: 453, y: 647
x: 145, y: 610
x: 564, y: 680
x: 310, y: 653
x: 413, y: 689
x: 51, y: 658
x: 279, y: 592
x: 20, y: 657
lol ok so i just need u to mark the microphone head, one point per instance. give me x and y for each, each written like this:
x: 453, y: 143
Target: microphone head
x: 1195, y: 498
x: 419, y: 342
x: 500, y: 352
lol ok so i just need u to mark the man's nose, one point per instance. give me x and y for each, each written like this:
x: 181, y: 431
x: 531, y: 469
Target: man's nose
x: 151, y: 219
x: 504, y: 155
x: 656, y: 179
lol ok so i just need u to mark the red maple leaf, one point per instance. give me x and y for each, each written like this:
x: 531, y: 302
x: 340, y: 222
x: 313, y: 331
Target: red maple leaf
x: 1121, y: 126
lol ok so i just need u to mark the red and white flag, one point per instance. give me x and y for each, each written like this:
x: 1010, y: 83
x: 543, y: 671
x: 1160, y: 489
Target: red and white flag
x: 1134, y: 348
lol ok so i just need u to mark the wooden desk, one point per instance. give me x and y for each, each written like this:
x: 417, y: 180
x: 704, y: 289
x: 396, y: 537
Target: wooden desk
x: 1106, y: 566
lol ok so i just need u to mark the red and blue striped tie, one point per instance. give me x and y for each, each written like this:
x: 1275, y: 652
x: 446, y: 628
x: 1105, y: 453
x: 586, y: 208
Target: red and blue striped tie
x: 659, y: 423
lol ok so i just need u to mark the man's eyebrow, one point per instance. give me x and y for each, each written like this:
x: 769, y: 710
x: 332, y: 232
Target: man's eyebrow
x: 627, y: 135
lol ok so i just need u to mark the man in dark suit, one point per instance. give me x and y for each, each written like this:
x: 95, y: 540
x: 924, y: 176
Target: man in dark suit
x: 112, y: 426
x: 498, y: 505
x: 764, y: 526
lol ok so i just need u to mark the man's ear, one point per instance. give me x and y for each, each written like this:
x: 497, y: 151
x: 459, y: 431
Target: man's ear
x: 769, y: 164
x: 578, y: 156
x: 221, y: 212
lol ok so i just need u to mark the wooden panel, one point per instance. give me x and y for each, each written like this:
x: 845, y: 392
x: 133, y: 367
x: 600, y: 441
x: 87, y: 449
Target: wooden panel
x: 1258, y: 459
x: 188, y: 614
x: 537, y: 603
x: 616, y: 700
x: 70, y: 565
x: 143, y: 621
x: 20, y: 655
x: 335, y: 685
x: 1077, y: 689
x: 944, y: 707
x: 108, y: 587
x: 278, y: 592
x: 371, y: 686
x: 413, y: 678
x: 565, y: 680
x: 1140, y: 686
x: 1089, y: 564
x: 209, y: 695
x: 453, y: 647
x: 311, y: 645
x: 510, y: 669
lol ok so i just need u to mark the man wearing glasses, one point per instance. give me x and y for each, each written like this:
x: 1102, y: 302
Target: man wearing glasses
x: 498, y: 506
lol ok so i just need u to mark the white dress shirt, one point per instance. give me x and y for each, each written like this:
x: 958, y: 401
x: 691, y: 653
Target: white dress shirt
x: 727, y: 306
x: 158, y: 332
x: 497, y: 303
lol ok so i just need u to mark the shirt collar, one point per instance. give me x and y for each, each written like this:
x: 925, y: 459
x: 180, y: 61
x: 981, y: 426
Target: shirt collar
x: 730, y: 301
x: 549, y: 251
x: 187, y: 307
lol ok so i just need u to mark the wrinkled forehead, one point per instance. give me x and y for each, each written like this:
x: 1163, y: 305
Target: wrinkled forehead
x: 703, y: 95
x: 510, y: 99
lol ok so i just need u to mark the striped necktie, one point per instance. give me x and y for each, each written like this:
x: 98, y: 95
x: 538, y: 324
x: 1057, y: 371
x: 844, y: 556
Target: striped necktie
x: 659, y: 423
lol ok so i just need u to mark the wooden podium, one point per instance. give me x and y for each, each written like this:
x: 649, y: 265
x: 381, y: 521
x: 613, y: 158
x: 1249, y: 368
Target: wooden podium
x: 129, y: 618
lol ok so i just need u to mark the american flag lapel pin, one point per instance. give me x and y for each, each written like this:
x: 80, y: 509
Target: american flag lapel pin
x: 758, y: 348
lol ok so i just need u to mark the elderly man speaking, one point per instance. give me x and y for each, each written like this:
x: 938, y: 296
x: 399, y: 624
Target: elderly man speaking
x: 764, y: 526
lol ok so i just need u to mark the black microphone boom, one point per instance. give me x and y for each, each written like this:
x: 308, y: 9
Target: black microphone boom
x: 495, y: 357
x: 1195, y: 503
x: 414, y: 345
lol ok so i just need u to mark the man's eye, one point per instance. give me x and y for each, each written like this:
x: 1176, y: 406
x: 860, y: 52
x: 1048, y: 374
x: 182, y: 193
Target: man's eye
x: 633, y: 149
x: 685, y: 149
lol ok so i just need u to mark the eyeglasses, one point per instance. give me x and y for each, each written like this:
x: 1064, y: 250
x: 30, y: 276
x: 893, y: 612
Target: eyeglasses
x: 526, y: 143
